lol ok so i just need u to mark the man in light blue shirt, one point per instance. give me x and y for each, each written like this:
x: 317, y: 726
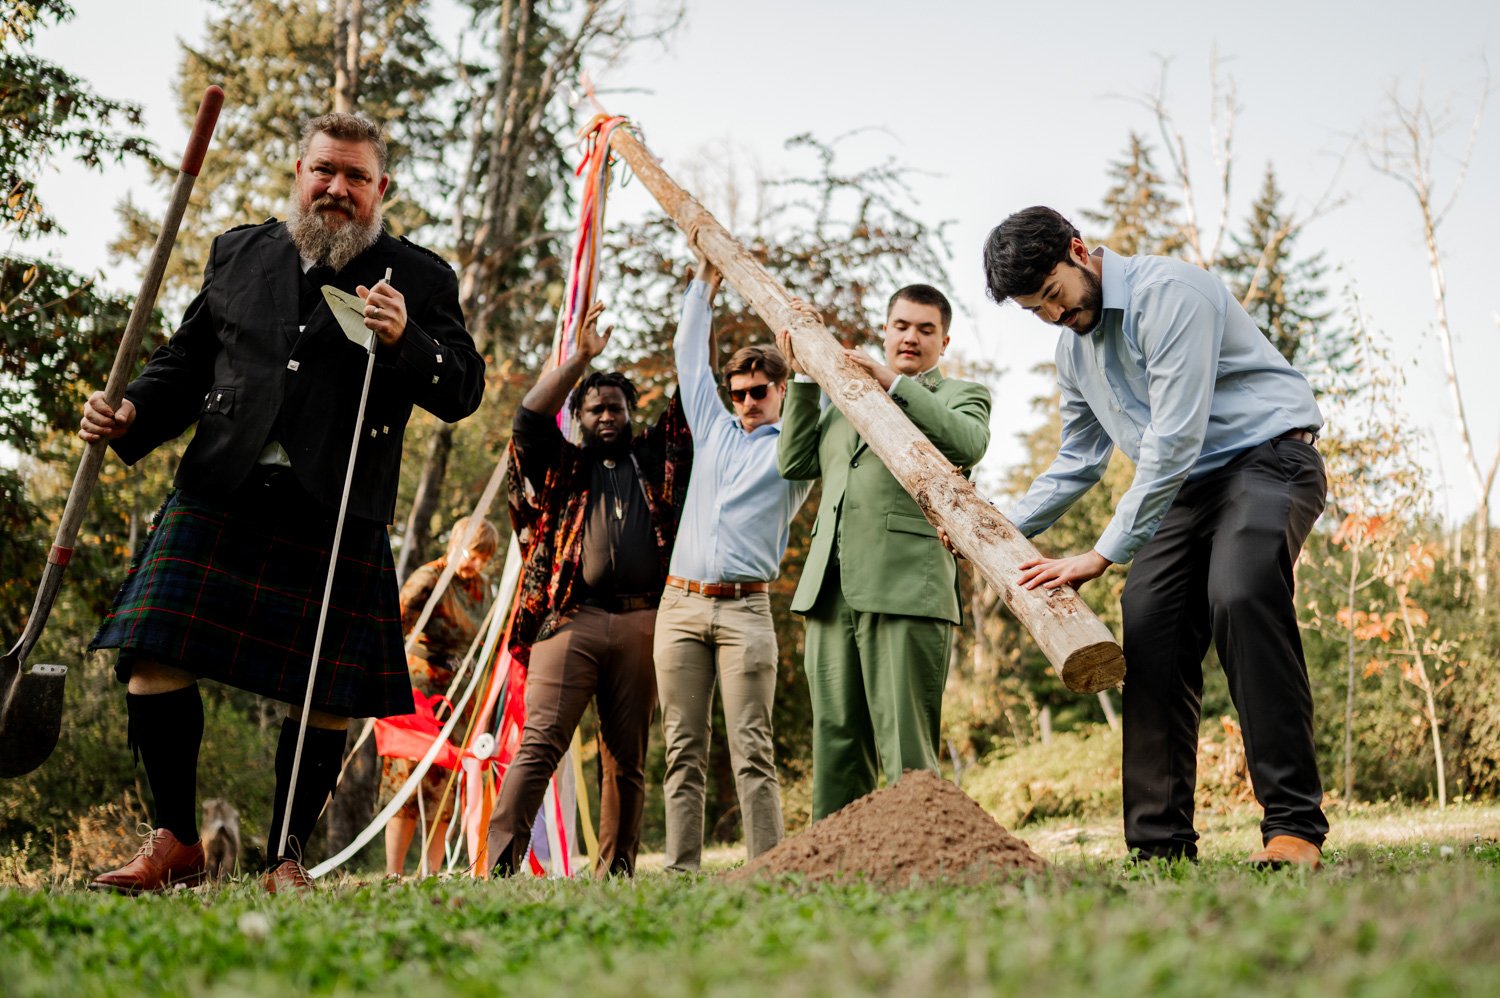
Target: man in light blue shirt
x: 1160, y: 360
x: 714, y: 623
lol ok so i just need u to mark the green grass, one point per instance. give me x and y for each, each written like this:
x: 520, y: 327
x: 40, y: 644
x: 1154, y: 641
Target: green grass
x: 1409, y: 904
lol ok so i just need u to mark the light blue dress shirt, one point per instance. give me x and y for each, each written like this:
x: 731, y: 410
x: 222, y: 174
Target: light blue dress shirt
x: 1179, y: 377
x: 738, y: 513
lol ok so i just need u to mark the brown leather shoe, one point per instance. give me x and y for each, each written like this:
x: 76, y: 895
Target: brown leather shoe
x: 288, y: 876
x: 1287, y: 850
x: 162, y: 862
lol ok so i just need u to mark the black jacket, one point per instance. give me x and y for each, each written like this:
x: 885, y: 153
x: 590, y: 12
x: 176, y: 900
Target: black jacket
x: 239, y: 367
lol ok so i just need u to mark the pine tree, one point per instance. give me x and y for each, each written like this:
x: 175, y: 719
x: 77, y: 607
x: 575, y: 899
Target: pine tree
x: 1283, y: 293
x: 1138, y: 216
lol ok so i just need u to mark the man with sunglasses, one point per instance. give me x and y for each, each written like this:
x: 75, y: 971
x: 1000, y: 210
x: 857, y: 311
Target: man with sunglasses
x: 878, y: 591
x: 714, y: 623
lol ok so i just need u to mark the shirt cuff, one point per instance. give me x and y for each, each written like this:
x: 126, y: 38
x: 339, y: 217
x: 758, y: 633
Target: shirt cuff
x: 804, y: 379
x: 896, y: 381
x: 1117, y: 546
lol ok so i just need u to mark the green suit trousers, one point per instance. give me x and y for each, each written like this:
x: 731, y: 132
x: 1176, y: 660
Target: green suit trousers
x: 877, y: 693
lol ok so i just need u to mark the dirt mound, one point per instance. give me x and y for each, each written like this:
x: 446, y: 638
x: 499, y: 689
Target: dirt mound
x: 923, y: 828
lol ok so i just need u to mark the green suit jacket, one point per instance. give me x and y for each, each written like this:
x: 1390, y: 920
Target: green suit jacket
x: 890, y: 558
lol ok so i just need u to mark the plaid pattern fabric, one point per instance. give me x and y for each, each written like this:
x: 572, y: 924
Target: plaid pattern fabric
x: 233, y: 594
x: 548, y: 503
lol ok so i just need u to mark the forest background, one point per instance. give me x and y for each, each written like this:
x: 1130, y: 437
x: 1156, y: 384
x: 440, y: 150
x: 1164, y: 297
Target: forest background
x: 1395, y: 587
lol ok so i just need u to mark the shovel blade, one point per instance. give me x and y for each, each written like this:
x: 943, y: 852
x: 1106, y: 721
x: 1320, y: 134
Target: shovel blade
x: 31, y: 716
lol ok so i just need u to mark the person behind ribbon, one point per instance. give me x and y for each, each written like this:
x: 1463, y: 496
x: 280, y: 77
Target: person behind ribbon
x: 230, y: 583
x: 879, y: 592
x: 715, y: 622
x: 432, y: 663
x: 595, y: 524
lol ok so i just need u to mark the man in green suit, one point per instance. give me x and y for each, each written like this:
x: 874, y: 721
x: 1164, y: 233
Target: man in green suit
x: 878, y: 590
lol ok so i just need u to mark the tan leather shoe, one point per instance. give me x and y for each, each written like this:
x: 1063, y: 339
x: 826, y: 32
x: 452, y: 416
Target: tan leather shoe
x: 289, y: 876
x: 162, y: 862
x: 1287, y: 850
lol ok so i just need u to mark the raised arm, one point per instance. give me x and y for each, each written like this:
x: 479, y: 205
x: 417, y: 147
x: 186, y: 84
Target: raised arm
x: 547, y: 396
x: 693, y: 351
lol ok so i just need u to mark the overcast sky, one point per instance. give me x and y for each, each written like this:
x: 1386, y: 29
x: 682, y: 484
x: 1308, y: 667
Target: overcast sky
x: 1005, y: 105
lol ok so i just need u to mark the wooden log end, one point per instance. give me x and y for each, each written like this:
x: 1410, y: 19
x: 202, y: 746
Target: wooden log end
x: 1094, y: 667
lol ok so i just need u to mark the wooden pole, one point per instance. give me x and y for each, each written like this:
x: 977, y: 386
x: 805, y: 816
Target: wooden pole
x: 1081, y: 649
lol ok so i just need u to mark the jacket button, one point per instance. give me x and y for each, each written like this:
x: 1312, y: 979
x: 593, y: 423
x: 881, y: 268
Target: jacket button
x: 854, y: 463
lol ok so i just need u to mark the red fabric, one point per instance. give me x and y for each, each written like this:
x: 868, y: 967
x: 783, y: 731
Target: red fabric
x: 409, y: 736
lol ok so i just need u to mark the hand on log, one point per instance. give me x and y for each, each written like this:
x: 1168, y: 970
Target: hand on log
x: 884, y: 375
x: 1049, y: 573
x: 784, y: 337
x: 706, y: 272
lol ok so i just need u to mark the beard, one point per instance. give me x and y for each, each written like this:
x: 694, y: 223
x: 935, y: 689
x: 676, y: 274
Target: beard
x: 592, y: 442
x: 1092, y: 299
x: 322, y: 242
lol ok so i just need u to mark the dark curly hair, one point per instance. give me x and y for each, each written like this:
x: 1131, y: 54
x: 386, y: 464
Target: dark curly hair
x: 602, y: 379
x: 1022, y: 250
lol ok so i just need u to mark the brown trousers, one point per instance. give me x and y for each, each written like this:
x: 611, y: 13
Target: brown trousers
x: 596, y: 654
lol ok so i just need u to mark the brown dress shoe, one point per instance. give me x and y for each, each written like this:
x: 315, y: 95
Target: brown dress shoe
x: 1287, y: 850
x: 288, y: 876
x: 162, y: 862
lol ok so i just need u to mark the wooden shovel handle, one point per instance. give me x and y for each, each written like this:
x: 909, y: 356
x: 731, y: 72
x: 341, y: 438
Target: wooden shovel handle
x: 203, y: 130
x: 87, y: 475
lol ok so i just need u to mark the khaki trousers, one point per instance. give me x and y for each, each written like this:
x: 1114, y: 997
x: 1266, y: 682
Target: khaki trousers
x: 700, y: 641
x: 596, y: 654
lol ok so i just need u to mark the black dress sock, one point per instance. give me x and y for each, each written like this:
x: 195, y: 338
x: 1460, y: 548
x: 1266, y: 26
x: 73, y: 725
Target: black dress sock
x: 322, y: 755
x: 165, y: 732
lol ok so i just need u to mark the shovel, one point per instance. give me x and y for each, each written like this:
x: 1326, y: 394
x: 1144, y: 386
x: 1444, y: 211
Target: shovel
x: 31, y: 702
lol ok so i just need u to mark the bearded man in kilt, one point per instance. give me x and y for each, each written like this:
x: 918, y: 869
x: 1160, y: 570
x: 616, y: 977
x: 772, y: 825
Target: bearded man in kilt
x: 229, y: 585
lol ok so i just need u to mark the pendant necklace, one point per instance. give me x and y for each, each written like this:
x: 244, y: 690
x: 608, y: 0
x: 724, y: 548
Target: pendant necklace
x: 614, y: 491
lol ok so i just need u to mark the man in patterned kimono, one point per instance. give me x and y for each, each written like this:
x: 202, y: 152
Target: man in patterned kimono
x: 595, y: 524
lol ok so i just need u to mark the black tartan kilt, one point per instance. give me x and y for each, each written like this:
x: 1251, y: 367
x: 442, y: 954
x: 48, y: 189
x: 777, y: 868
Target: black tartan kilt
x: 231, y: 591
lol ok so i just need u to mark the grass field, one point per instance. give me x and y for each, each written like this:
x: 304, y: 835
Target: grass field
x: 1409, y: 904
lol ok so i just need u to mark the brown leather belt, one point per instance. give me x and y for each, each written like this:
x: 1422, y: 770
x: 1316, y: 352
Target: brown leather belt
x: 717, y: 590
x: 1306, y: 436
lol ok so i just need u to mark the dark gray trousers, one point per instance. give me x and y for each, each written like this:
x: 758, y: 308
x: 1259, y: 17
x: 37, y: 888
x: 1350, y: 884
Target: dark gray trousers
x: 1220, y: 568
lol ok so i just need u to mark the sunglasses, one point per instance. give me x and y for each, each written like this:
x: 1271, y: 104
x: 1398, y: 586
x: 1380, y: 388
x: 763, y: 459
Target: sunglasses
x: 756, y: 392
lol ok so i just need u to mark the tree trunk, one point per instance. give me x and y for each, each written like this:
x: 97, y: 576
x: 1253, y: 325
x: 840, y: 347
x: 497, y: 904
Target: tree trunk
x: 1081, y: 649
x: 418, y: 536
x: 1424, y: 683
x: 1349, y: 682
x: 349, y: 22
